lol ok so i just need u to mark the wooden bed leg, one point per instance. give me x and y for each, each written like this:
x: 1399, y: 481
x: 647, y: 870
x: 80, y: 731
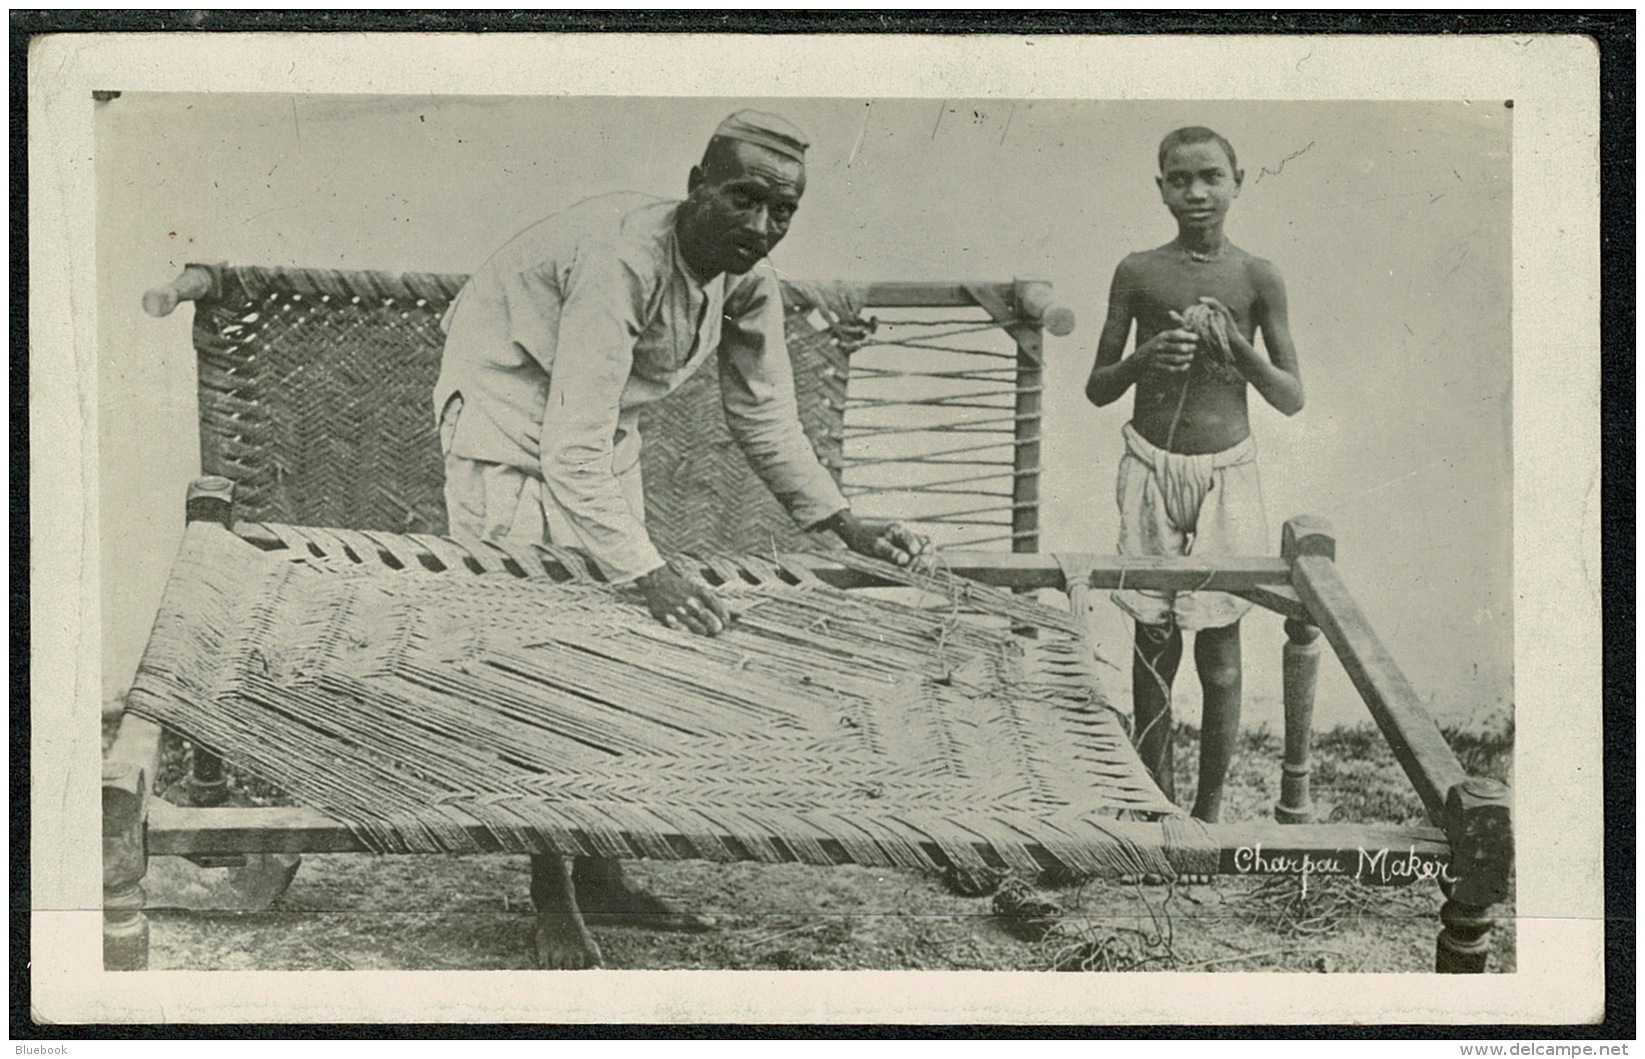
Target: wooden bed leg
x: 257, y: 878
x: 207, y: 788
x: 210, y: 499
x: 127, y: 774
x: 1480, y: 830
x: 1302, y: 536
x: 1022, y: 314
x: 1464, y: 936
x: 125, y: 927
x: 192, y: 285
x: 1301, y: 676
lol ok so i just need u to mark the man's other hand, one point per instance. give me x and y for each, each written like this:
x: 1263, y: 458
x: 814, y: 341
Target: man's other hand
x: 891, y: 541
x: 681, y: 603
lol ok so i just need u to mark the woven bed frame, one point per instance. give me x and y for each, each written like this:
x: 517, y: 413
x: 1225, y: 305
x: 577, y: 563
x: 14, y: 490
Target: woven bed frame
x: 316, y: 385
x: 1077, y: 798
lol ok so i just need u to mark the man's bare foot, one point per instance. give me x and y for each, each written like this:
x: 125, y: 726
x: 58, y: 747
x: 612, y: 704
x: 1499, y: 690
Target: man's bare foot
x: 973, y: 882
x: 608, y: 899
x: 629, y: 906
x: 563, y: 943
x: 560, y: 939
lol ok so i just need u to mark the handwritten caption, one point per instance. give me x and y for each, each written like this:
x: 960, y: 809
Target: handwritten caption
x: 1383, y: 867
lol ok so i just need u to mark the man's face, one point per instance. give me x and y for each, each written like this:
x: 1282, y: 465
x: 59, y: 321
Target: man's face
x: 1198, y: 184
x: 743, y: 208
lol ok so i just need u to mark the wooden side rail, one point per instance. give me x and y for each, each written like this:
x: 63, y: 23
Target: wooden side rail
x: 1019, y: 570
x: 1030, y: 299
x: 1280, y: 599
x: 1416, y: 740
x: 1380, y: 855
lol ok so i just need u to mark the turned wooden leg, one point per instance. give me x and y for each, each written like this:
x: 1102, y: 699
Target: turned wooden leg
x: 1025, y: 453
x: 1304, y: 535
x: 210, y: 499
x: 126, y: 775
x: 207, y: 788
x: 1478, y: 824
x: 1301, y: 675
x: 1464, y: 937
x: 125, y: 927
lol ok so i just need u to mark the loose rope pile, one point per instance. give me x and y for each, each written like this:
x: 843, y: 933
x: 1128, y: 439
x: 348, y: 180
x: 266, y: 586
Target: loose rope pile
x: 426, y: 690
x: 1302, y: 907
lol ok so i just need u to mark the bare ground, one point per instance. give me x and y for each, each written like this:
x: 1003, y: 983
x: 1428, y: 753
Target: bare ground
x: 473, y: 913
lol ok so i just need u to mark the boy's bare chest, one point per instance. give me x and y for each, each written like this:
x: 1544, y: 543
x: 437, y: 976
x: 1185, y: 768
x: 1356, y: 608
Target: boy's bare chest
x: 1173, y: 289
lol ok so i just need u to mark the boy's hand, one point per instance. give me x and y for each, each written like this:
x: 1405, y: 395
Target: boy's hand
x: 680, y: 603
x: 1206, y: 299
x: 1170, y: 351
x: 1237, y: 341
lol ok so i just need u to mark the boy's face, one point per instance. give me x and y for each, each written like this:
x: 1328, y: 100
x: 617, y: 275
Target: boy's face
x: 1198, y: 185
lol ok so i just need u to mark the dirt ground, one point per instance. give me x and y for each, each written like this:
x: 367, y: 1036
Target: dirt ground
x: 346, y: 912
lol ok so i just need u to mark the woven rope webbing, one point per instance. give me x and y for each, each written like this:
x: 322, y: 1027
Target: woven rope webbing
x: 316, y: 389
x: 932, y: 431
x: 419, y: 688
x: 701, y: 496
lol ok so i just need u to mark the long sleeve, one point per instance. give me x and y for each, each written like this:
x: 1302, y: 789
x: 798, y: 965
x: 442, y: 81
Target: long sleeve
x: 757, y: 389
x: 598, y: 326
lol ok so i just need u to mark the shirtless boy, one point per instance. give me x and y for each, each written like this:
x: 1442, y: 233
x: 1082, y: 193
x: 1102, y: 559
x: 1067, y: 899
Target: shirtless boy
x: 1188, y: 481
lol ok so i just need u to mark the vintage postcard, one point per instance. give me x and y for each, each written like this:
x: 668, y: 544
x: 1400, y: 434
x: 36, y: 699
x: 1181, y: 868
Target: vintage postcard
x: 1114, y: 506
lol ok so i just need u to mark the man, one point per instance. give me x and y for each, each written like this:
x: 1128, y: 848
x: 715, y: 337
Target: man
x: 555, y: 344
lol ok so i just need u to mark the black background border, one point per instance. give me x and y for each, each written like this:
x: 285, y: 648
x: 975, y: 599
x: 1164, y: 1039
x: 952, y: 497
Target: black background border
x: 1614, y: 34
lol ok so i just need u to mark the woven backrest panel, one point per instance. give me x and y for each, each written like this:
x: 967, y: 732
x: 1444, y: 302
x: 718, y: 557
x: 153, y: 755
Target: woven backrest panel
x: 426, y: 691
x: 932, y: 432
x: 701, y: 496
x: 316, y: 393
x: 316, y: 399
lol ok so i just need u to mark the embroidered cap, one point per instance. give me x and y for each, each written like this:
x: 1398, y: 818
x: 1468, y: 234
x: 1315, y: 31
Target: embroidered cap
x: 767, y: 130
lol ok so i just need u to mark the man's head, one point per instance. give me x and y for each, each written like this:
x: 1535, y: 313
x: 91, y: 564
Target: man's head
x: 1199, y: 176
x: 742, y: 196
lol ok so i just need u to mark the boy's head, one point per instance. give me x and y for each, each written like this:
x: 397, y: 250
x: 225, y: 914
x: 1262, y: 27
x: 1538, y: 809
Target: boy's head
x: 1199, y: 176
x: 1193, y: 134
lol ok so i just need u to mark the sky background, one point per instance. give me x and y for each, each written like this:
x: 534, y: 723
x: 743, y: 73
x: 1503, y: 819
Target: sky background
x: 1390, y: 222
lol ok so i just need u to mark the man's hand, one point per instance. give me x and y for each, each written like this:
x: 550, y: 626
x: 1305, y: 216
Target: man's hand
x: 1169, y: 351
x: 841, y: 306
x: 878, y: 539
x: 681, y: 603
x: 853, y: 334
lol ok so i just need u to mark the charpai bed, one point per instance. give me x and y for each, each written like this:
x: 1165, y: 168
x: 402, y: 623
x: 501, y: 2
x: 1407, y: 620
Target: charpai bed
x: 421, y: 693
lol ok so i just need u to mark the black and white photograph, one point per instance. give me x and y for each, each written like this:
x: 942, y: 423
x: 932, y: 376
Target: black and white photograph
x: 989, y: 521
